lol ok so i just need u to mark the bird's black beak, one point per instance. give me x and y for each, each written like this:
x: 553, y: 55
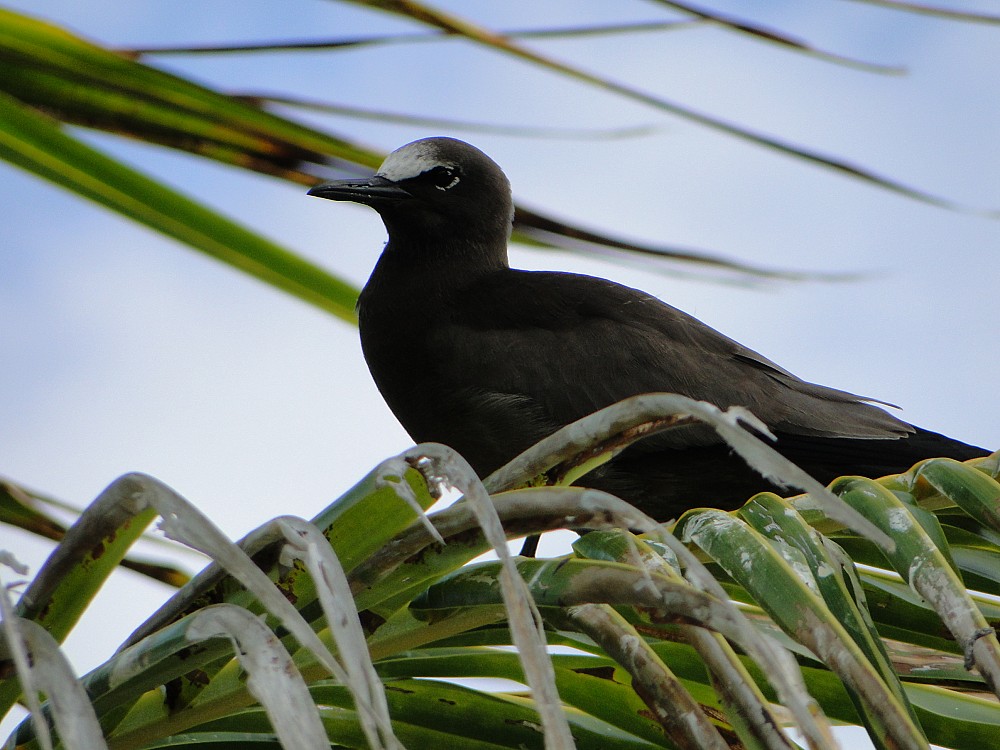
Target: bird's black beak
x: 371, y: 191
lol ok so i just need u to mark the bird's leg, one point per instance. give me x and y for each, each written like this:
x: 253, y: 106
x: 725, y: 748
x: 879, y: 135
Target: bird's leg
x: 530, y: 546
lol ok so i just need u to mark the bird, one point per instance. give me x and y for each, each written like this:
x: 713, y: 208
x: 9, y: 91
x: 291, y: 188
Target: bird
x: 487, y: 359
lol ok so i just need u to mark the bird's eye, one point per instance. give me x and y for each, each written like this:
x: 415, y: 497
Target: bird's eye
x: 441, y: 177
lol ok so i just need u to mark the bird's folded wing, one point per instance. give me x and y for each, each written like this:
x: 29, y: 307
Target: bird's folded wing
x: 555, y: 347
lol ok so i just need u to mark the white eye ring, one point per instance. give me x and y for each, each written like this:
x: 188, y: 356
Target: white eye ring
x: 454, y: 181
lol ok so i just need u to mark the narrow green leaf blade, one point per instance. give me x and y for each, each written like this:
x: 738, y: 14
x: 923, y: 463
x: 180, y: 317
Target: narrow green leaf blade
x: 972, y: 490
x: 35, y: 143
x: 835, y: 579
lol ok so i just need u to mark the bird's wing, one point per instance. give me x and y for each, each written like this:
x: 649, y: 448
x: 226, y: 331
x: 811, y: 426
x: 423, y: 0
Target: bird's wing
x: 559, y: 346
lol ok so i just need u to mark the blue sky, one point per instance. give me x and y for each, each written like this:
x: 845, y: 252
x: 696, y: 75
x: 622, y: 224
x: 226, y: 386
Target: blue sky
x: 125, y: 351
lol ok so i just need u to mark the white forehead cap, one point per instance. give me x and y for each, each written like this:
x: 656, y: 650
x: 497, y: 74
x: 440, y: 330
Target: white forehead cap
x: 411, y: 160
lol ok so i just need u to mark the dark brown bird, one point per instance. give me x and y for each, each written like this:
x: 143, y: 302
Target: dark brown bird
x: 487, y: 359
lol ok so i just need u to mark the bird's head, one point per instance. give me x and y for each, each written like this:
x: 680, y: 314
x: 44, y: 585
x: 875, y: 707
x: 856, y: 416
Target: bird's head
x: 433, y: 190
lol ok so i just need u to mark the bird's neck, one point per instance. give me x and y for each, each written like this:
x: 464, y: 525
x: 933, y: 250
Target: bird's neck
x: 432, y: 270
